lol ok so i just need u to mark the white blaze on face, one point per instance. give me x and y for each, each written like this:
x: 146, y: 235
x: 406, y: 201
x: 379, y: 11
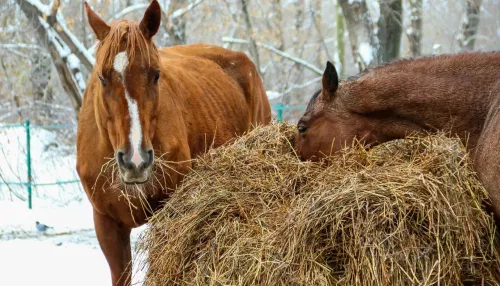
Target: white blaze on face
x: 120, y: 64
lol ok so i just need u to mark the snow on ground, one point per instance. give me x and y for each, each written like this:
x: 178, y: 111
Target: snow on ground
x: 68, y: 253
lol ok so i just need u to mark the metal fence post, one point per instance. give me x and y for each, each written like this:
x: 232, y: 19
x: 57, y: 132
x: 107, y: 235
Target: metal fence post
x: 279, y: 110
x: 28, y: 162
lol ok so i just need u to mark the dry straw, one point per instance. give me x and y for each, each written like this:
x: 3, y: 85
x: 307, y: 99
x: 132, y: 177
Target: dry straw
x: 408, y: 212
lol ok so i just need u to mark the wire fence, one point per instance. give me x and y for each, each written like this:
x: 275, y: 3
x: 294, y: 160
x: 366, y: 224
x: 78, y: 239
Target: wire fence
x: 30, y: 182
x: 27, y: 180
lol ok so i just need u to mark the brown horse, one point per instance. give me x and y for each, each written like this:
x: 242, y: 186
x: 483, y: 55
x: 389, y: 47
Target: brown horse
x: 455, y: 93
x: 146, y: 113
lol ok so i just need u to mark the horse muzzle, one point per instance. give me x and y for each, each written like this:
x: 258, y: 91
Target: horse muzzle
x: 133, y: 171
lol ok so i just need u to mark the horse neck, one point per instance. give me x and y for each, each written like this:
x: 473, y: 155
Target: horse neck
x: 407, y: 101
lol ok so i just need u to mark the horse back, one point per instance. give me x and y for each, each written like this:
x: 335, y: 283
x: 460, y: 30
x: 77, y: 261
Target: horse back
x: 238, y: 67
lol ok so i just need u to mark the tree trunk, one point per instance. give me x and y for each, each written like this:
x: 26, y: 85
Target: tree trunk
x: 316, y: 19
x: 340, y: 39
x: 84, y: 25
x: 67, y: 64
x: 298, y: 21
x: 361, y: 32
x: 252, y: 45
x: 176, y: 28
x: 40, y: 73
x: 389, y: 30
x: 415, y: 31
x: 279, y: 24
x: 470, y: 25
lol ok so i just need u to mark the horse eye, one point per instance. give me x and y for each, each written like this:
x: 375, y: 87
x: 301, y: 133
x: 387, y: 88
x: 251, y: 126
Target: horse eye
x: 103, y: 81
x: 157, y: 77
x: 301, y: 128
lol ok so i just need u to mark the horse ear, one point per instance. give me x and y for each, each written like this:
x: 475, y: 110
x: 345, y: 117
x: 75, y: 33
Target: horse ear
x: 330, y: 80
x: 101, y: 29
x: 150, y: 23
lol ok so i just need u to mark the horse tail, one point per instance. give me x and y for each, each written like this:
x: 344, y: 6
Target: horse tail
x: 260, y: 109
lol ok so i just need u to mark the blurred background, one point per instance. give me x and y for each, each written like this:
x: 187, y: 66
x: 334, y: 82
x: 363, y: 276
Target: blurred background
x: 47, y: 53
x: 289, y: 41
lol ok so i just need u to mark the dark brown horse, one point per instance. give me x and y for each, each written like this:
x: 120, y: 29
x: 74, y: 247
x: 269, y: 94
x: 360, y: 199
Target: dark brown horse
x: 146, y: 113
x: 455, y: 93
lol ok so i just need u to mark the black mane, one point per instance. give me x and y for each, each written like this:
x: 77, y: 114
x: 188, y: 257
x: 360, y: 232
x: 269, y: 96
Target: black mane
x: 313, y: 99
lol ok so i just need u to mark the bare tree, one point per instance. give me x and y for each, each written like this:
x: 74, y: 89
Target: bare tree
x: 389, y: 30
x: 288, y: 40
x: 340, y: 39
x: 414, y: 33
x: 470, y: 24
x: 40, y: 73
x: 67, y: 63
x: 83, y: 28
x: 361, y: 32
x: 278, y: 23
x: 316, y: 19
x: 252, y: 47
x: 176, y: 27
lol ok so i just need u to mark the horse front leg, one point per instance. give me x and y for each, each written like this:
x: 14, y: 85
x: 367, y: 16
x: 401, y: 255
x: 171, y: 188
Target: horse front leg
x: 114, y: 239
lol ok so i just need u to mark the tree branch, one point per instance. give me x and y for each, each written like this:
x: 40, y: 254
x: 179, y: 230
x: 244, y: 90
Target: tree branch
x: 470, y: 25
x: 274, y: 94
x: 278, y: 52
x: 54, y: 7
x: 65, y: 60
x: 252, y: 44
x: 128, y: 10
x: 180, y: 12
x: 21, y: 46
x: 34, y: 9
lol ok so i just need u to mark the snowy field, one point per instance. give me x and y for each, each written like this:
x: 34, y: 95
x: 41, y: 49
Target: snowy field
x: 66, y: 254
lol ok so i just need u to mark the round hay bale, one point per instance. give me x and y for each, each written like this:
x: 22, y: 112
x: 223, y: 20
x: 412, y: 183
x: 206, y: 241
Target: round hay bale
x: 409, y: 212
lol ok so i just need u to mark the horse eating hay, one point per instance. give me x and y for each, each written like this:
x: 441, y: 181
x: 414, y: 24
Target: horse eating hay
x: 251, y: 213
x: 458, y: 94
x: 146, y: 114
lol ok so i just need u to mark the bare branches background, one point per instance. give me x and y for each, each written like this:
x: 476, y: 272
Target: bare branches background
x: 290, y: 41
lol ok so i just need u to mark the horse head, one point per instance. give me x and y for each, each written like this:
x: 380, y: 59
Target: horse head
x: 127, y: 74
x: 338, y: 115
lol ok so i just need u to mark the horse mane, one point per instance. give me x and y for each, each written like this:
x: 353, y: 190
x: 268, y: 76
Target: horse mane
x: 122, y: 32
x: 401, y: 63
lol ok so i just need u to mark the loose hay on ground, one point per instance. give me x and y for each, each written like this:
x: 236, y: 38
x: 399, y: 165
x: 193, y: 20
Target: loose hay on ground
x: 250, y: 213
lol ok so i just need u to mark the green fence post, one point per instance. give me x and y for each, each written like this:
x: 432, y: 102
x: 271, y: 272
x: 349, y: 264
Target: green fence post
x: 279, y: 109
x: 28, y: 162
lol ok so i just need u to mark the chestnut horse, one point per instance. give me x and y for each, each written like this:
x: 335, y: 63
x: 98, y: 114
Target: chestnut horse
x: 458, y: 94
x: 146, y: 114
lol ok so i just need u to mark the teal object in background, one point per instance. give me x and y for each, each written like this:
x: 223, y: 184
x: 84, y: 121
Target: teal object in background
x: 280, y: 108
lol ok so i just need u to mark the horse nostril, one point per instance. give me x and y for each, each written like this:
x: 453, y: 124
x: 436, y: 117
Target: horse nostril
x: 120, y: 156
x: 149, y: 161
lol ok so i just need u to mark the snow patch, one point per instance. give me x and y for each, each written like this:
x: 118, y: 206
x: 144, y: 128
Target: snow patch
x: 272, y: 95
x: 366, y: 52
x: 58, y: 256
